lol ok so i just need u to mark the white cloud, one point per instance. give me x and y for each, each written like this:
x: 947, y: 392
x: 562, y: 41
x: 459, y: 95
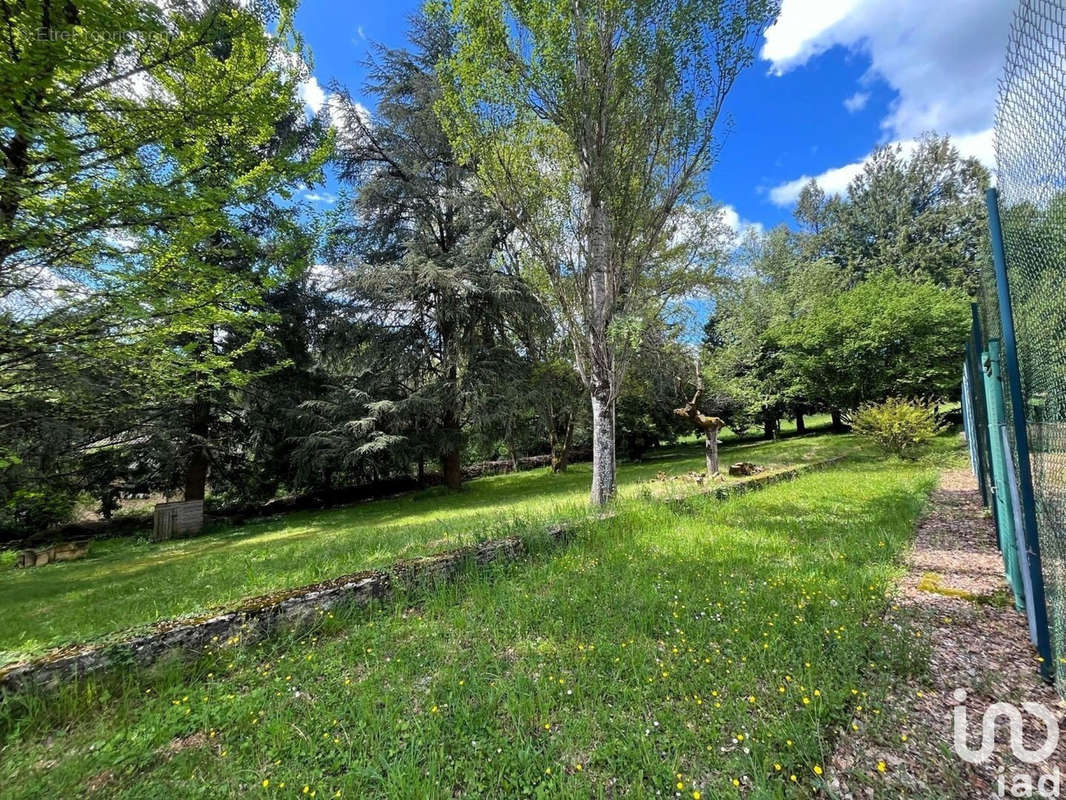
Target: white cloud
x: 740, y: 226
x: 835, y: 181
x: 313, y: 95
x: 857, y: 102
x: 943, y: 59
x: 799, y: 30
x: 321, y: 197
x: 326, y: 277
x: 362, y: 34
x: 832, y: 181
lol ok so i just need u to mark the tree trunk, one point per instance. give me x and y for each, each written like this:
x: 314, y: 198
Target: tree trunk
x: 603, y: 451
x: 838, y: 422
x: 767, y: 427
x: 801, y: 426
x: 601, y: 368
x: 561, y: 450
x: 453, y: 435
x: 421, y: 469
x: 711, y: 446
x: 197, y: 461
x: 451, y: 468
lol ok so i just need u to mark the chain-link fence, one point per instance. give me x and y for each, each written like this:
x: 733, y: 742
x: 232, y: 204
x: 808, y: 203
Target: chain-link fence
x: 1015, y: 373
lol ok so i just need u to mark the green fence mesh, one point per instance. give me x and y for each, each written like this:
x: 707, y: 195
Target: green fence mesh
x: 1030, y: 139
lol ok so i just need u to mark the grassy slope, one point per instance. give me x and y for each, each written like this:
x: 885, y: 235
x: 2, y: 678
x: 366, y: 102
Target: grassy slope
x: 663, y: 653
x: 127, y: 582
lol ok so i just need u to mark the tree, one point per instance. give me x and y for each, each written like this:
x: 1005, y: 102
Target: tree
x: 920, y: 216
x: 592, y: 122
x: 651, y: 391
x: 160, y: 195
x: 886, y: 337
x: 201, y: 279
x: 91, y: 95
x: 742, y: 363
x: 421, y: 249
x: 708, y: 425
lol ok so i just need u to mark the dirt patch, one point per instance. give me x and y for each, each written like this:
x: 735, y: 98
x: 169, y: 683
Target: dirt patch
x: 952, y: 601
x: 180, y: 743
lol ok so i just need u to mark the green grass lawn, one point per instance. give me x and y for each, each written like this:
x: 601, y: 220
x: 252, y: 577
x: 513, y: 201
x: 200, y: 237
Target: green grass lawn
x: 705, y: 650
x: 129, y: 582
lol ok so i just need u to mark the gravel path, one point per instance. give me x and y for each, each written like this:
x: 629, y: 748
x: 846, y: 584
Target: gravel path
x: 953, y: 606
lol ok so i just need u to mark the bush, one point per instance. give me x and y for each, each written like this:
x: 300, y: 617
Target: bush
x: 898, y: 425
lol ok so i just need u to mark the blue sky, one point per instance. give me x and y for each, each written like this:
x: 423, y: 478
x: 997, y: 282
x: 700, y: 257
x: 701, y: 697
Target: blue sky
x: 834, y: 79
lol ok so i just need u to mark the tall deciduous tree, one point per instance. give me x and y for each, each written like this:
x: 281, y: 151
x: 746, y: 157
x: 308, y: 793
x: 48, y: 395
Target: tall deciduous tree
x: 149, y: 212
x: 886, y: 336
x: 94, y: 102
x: 592, y: 120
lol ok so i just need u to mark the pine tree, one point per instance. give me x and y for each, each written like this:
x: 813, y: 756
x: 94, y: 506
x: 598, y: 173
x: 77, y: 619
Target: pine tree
x: 420, y: 249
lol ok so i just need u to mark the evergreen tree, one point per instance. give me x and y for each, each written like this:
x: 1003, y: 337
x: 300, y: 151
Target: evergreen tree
x: 922, y: 216
x: 420, y: 250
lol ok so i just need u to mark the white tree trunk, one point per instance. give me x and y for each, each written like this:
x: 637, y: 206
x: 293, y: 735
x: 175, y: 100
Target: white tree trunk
x: 601, y: 379
x: 603, y: 451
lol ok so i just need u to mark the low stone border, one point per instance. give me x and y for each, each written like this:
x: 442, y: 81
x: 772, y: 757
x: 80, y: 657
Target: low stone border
x: 724, y: 490
x: 257, y: 616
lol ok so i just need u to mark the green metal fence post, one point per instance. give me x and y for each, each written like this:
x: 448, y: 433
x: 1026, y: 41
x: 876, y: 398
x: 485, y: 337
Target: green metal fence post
x: 983, y: 439
x: 1001, y: 495
x: 969, y: 426
x: 1021, y: 437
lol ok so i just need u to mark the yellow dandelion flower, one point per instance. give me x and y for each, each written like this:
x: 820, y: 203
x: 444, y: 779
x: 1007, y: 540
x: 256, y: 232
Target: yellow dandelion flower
x: 817, y: 769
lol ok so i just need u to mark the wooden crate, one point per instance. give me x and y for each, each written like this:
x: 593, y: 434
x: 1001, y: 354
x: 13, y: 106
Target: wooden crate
x: 177, y: 519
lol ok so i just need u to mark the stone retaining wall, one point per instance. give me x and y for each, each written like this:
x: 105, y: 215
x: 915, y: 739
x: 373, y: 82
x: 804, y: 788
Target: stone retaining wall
x: 257, y: 616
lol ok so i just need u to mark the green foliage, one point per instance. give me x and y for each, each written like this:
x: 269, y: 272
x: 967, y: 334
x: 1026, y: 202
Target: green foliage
x: 920, y: 216
x: 886, y: 336
x: 899, y: 426
x: 743, y: 364
x: 35, y: 508
x: 143, y: 224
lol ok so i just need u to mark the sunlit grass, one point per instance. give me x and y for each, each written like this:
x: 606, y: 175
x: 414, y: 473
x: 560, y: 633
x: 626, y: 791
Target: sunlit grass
x: 128, y: 582
x: 713, y: 647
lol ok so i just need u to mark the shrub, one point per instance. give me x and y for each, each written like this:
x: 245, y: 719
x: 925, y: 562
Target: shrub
x: 898, y: 425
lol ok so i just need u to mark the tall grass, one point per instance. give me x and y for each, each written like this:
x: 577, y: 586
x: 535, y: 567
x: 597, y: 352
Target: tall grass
x: 703, y: 650
x: 128, y: 582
